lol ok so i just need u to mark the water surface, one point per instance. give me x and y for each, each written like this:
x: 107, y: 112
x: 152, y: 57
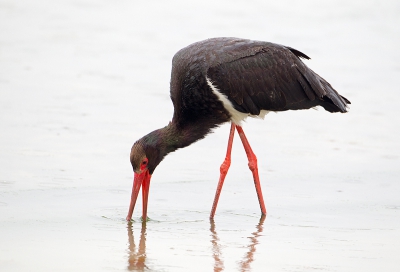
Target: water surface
x: 80, y: 81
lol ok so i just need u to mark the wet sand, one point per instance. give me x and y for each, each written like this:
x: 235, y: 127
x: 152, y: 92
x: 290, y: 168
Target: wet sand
x: 80, y: 81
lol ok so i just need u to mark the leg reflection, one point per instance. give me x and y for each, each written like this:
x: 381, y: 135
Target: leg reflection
x: 249, y: 256
x: 137, y: 257
x: 218, y: 262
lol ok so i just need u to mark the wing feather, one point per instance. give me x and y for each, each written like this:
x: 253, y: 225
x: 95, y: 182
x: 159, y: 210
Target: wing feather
x: 273, y: 78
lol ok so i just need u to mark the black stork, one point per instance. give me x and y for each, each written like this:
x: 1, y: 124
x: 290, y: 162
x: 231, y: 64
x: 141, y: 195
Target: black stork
x: 226, y: 80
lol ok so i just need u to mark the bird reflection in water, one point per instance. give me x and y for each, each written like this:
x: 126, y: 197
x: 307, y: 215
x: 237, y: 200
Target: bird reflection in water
x: 219, y: 263
x: 137, y: 256
x: 248, y: 257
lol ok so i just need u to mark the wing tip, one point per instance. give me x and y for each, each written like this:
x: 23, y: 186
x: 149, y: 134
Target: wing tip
x: 297, y: 53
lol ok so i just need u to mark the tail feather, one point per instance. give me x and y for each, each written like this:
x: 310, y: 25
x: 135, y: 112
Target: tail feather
x: 335, y: 97
x: 326, y: 93
x: 345, y: 99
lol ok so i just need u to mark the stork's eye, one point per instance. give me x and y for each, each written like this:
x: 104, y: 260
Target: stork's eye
x: 143, y: 164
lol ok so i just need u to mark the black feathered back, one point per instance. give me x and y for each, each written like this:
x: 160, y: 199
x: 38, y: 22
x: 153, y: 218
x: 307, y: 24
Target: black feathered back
x: 253, y: 75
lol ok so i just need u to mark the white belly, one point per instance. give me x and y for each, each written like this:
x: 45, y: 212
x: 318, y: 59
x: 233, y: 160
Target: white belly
x: 236, y: 116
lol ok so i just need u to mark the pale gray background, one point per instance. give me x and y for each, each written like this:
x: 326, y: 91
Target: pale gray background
x: 81, y: 80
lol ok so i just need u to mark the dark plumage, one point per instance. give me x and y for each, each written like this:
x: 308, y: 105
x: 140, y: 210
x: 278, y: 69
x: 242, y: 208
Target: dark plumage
x: 252, y: 75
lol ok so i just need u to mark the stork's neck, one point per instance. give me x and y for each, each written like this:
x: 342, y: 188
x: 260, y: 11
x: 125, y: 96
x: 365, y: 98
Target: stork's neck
x: 173, y: 137
x: 159, y: 143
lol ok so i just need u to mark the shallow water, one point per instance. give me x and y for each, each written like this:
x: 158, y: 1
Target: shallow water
x: 80, y: 81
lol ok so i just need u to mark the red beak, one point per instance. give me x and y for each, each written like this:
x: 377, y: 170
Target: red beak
x: 140, y: 180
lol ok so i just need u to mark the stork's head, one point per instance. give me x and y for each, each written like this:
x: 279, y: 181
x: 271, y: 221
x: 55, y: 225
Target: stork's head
x: 145, y: 156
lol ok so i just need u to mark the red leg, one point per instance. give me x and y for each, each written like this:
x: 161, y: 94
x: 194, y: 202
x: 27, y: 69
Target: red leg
x: 253, y: 167
x: 223, y: 170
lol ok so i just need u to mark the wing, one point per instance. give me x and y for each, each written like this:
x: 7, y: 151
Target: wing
x: 275, y: 79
